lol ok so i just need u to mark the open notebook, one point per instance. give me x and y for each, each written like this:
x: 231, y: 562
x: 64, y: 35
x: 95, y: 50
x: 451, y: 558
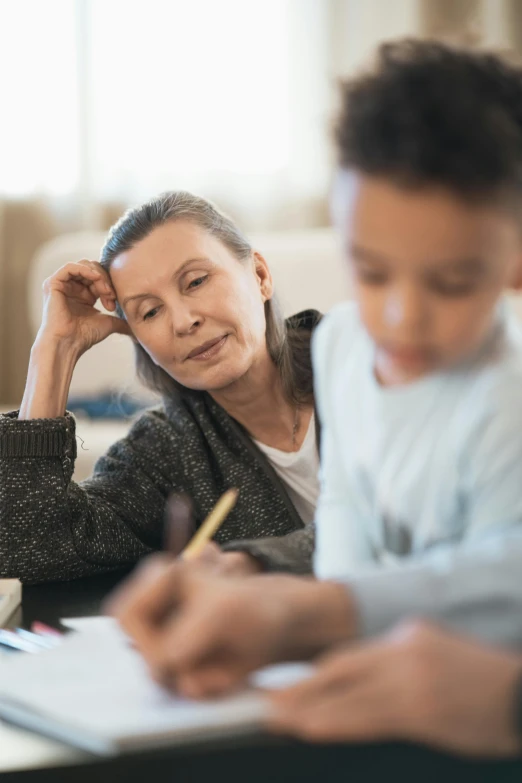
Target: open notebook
x: 94, y: 692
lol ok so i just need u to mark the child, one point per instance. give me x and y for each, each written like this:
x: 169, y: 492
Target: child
x: 419, y: 391
x: 419, y: 381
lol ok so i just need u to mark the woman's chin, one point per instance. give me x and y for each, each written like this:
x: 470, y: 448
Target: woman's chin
x: 213, y: 379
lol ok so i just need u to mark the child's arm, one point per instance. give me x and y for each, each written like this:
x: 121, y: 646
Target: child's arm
x: 474, y: 584
x: 475, y: 588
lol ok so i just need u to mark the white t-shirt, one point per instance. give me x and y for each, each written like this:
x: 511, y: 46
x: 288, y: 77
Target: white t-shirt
x: 412, y: 470
x: 299, y: 471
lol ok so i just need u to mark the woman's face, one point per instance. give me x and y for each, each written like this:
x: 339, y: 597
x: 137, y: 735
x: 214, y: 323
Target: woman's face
x: 193, y: 306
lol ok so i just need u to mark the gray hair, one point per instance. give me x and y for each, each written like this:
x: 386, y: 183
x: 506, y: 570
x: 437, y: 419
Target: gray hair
x: 138, y: 222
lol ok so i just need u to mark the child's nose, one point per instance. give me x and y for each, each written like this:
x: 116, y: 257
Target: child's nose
x: 404, y: 308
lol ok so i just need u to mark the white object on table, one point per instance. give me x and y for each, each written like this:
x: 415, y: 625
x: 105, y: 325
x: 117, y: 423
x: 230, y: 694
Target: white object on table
x: 94, y: 692
x: 10, y: 598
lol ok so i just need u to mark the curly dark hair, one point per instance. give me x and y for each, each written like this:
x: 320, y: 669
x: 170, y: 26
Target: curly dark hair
x: 432, y: 114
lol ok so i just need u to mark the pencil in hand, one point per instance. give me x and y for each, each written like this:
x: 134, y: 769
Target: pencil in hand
x: 179, y: 524
x: 211, y: 524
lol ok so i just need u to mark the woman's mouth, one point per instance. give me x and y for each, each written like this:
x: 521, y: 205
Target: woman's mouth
x: 208, y: 350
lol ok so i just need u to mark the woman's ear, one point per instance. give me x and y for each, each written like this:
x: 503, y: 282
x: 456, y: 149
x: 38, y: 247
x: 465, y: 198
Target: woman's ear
x: 264, y: 277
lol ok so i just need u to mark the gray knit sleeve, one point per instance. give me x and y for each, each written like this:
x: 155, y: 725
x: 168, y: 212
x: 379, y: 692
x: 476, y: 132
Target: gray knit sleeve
x: 37, y: 437
x: 52, y: 528
x: 292, y: 553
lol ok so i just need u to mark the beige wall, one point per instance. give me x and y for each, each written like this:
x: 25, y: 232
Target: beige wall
x: 358, y: 27
x: 24, y: 225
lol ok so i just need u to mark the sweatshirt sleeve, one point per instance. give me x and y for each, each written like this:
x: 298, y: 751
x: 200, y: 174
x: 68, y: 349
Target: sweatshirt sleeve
x: 473, y: 584
x: 52, y: 528
x: 475, y: 589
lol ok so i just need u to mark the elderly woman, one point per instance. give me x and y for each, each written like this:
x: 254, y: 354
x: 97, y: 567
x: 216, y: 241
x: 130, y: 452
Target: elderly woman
x: 237, y: 390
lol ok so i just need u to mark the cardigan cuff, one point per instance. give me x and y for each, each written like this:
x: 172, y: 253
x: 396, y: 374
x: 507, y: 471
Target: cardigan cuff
x: 37, y: 437
x: 274, y: 557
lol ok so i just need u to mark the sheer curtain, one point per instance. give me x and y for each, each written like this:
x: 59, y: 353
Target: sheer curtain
x: 110, y: 101
x: 119, y: 99
x: 39, y: 150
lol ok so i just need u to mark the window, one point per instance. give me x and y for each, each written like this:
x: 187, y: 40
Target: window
x: 120, y: 99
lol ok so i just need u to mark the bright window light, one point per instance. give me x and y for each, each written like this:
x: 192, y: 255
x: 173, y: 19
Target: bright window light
x: 38, y: 89
x: 120, y: 99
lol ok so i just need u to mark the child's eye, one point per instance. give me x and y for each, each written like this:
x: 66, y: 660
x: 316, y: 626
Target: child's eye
x: 456, y: 289
x: 197, y: 282
x: 372, y: 276
x: 150, y: 314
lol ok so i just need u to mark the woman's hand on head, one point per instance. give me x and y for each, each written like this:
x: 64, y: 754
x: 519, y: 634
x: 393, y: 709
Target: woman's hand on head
x: 69, y: 314
x: 417, y: 683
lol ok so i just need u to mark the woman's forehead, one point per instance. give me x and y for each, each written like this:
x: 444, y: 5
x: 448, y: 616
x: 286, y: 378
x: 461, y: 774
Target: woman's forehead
x: 170, y: 246
x: 164, y: 253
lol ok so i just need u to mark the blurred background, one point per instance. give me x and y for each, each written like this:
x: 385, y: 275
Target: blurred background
x: 107, y: 102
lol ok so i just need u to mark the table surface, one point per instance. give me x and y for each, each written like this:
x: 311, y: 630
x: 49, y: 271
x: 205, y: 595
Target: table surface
x: 49, y: 603
x: 257, y: 758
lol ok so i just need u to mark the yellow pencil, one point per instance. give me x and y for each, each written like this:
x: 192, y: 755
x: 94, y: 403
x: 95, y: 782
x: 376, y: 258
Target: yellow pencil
x: 211, y: 524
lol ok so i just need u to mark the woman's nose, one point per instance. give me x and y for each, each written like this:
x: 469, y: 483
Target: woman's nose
x: 184, y: 320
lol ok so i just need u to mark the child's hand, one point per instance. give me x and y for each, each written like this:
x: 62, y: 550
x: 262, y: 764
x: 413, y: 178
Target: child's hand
x: 418, y: 683
x: 222, y: 563
x: 203, y: 633
x: 199, y: 632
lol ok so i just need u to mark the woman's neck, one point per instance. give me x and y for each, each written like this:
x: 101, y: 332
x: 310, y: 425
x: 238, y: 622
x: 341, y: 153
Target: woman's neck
x: 257, y: 401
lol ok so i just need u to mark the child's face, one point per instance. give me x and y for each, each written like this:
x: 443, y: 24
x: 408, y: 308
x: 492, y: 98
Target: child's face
x: 428, y: 271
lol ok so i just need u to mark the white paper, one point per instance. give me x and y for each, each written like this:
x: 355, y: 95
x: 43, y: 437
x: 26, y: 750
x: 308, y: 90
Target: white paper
x: 95, y: 685
x: 97, y: 623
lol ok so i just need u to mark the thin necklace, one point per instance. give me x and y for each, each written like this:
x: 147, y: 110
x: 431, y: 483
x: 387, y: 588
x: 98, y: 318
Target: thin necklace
x: 295, y: 427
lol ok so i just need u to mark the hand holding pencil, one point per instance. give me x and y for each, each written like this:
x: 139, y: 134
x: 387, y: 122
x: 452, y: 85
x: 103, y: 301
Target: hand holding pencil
x: 161, y: 586
x: 202, y: 633
x: 152, y: 583
x: 182, y: 541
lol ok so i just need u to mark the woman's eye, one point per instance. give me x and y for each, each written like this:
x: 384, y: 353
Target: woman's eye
x: 197, y: 282
x: 150, y: 314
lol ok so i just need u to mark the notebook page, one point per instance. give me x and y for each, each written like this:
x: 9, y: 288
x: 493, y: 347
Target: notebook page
x: 270, y: 677
x: 96, y: 683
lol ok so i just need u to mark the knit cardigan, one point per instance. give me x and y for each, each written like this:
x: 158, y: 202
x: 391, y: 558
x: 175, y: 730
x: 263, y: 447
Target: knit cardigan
x: 52, y: 528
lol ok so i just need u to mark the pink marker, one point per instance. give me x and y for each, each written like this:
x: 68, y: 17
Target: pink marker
x: 45, y: 630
